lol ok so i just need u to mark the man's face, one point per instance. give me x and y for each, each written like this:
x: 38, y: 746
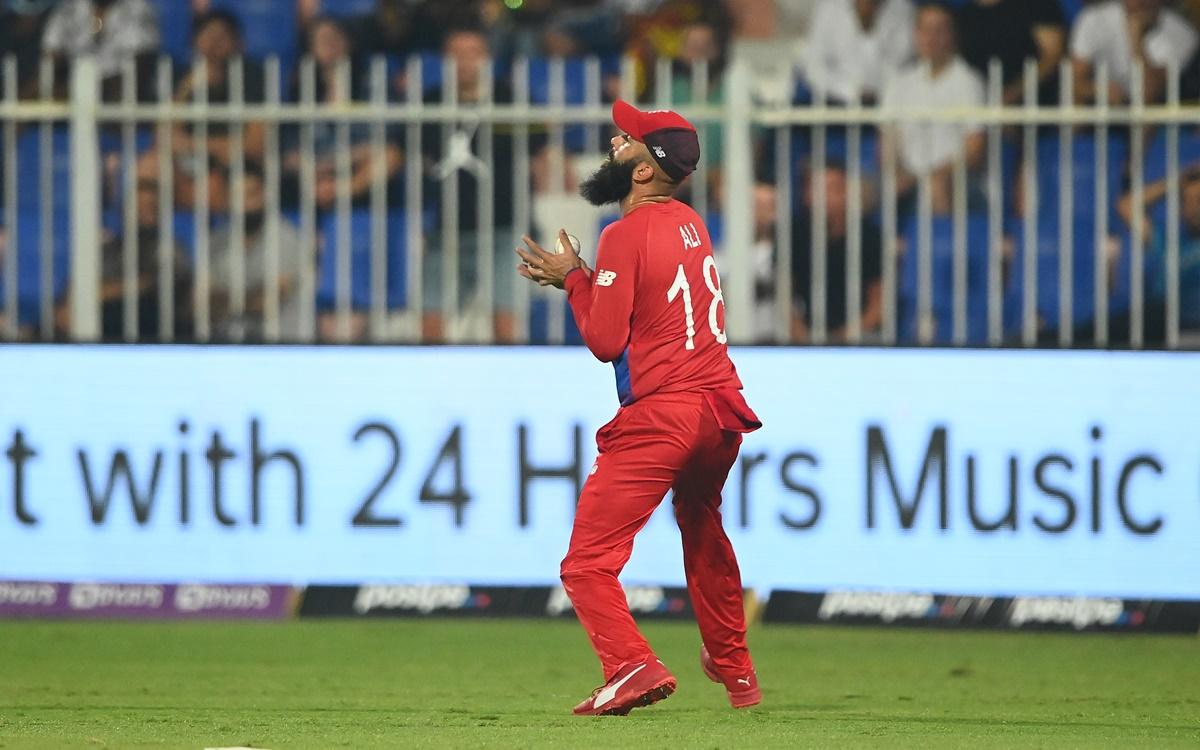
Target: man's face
x: 834, y: 184
x: 934, y: 35
x: 216, y: 43
x: 614, y: 179
x: 329, y: 44
x: 699, y: 43
x: 470, y: 53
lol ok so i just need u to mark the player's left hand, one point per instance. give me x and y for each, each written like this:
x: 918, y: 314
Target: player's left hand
x: 549, y: 269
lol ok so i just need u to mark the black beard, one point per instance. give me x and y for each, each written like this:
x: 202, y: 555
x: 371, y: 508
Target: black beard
x: 609, y: 184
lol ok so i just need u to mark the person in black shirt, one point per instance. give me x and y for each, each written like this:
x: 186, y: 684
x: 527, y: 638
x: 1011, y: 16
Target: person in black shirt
x: 836, y: 251
x: 1013, y: 31
x: 330, y: 44
x: 455, y: 152
x: 217, y: 39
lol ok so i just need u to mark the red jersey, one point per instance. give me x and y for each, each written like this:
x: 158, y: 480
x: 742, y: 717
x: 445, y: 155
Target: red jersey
x: 653, y: 305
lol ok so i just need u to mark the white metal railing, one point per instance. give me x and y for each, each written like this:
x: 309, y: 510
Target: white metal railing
x: 986, y: 279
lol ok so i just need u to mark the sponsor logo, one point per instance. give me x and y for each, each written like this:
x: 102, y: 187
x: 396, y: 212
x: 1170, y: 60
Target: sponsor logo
x: 610, y: 691
x: 605, y: 278
x: 645, y: 598
x: 200, y: 598
x: 885, y: 606
x: 420, y: 598
x: 559, y: 603
x: 639, y: 599
x: 99, y: 595
x: 1078, y: 612
x: 29, y: 594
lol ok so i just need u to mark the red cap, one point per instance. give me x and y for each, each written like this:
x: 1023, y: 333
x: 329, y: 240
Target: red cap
x: 670, y: 138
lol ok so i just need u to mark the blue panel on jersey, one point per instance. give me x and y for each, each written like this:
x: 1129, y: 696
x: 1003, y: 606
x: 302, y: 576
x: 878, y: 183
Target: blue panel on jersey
x: 624, y: 388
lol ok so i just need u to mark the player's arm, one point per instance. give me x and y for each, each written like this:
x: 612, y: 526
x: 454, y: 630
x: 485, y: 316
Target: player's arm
x: 602, y: 302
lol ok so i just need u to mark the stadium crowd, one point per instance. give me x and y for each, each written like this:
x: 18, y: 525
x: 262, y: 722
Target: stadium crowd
x: 845, y: 53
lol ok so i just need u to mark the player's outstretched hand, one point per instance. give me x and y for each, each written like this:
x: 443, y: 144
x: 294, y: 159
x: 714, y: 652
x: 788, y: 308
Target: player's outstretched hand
x: 549, y: 269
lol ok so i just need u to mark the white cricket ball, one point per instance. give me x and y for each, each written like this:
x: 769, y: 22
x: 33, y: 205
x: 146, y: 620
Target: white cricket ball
x: 558, y: 245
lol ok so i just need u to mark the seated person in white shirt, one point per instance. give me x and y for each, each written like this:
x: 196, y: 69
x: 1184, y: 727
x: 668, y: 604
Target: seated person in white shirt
x: 1115, y: 33
x: 851, y: 44
x: 938, y: 78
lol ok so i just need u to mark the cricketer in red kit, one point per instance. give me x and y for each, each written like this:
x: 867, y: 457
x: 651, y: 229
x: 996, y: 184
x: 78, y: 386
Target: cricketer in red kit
x: 653, y: 307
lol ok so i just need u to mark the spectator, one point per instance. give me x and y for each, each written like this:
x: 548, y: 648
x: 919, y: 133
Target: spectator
x: 584, y: 27
x: 215, y: 183
x: 217, y: 39
x: 656, y: 30
x: 1115, y: 33
x: 938, y: 78
x: 703, y: 42
x: 112, y: 30
x: 1013, y: 31
x: 1154, y: 173
x: 392, y: 29
x: 1189, y: 253
x: 763, y: 258
x: 21, y: 26
x: 148, y: 289
x: 514, y: 29
x: 852, y: 44
x: 330, y: 46
x: 451, y: 152
x: 250, y: 324
x: 837, y: 187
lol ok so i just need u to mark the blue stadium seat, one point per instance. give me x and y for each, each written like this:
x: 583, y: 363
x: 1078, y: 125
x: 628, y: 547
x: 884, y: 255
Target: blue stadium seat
x: 1083, y: 308
x: 185, y: 231
x: 29, y: 262
x: 431, y: 69
x: 574, y: 92
x: 269, y: 27
x: 360, y: 260
x: 30, y: 158
x: 943, y: 280
x: 1071, y: 9
x: 175, y: 26
x: 347, y: 8
x: 1084, y: 155
x: 29, y: 166
x: 574, y: 80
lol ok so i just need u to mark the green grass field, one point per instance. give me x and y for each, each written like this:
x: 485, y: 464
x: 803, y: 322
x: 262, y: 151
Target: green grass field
x: 506, y: 683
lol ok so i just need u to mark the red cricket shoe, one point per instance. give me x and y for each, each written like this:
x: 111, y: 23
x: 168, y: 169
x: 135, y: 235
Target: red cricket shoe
x: 743, y: 691
x: 633, y: 686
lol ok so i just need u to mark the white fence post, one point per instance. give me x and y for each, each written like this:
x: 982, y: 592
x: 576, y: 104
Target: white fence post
x: 738, y: 205
x: 85, y: 202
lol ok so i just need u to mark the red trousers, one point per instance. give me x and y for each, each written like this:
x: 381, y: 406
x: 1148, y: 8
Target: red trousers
x: 662, y: 442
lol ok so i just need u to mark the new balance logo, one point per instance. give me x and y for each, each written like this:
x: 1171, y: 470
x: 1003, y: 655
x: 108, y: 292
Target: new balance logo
x: 605, y: 278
